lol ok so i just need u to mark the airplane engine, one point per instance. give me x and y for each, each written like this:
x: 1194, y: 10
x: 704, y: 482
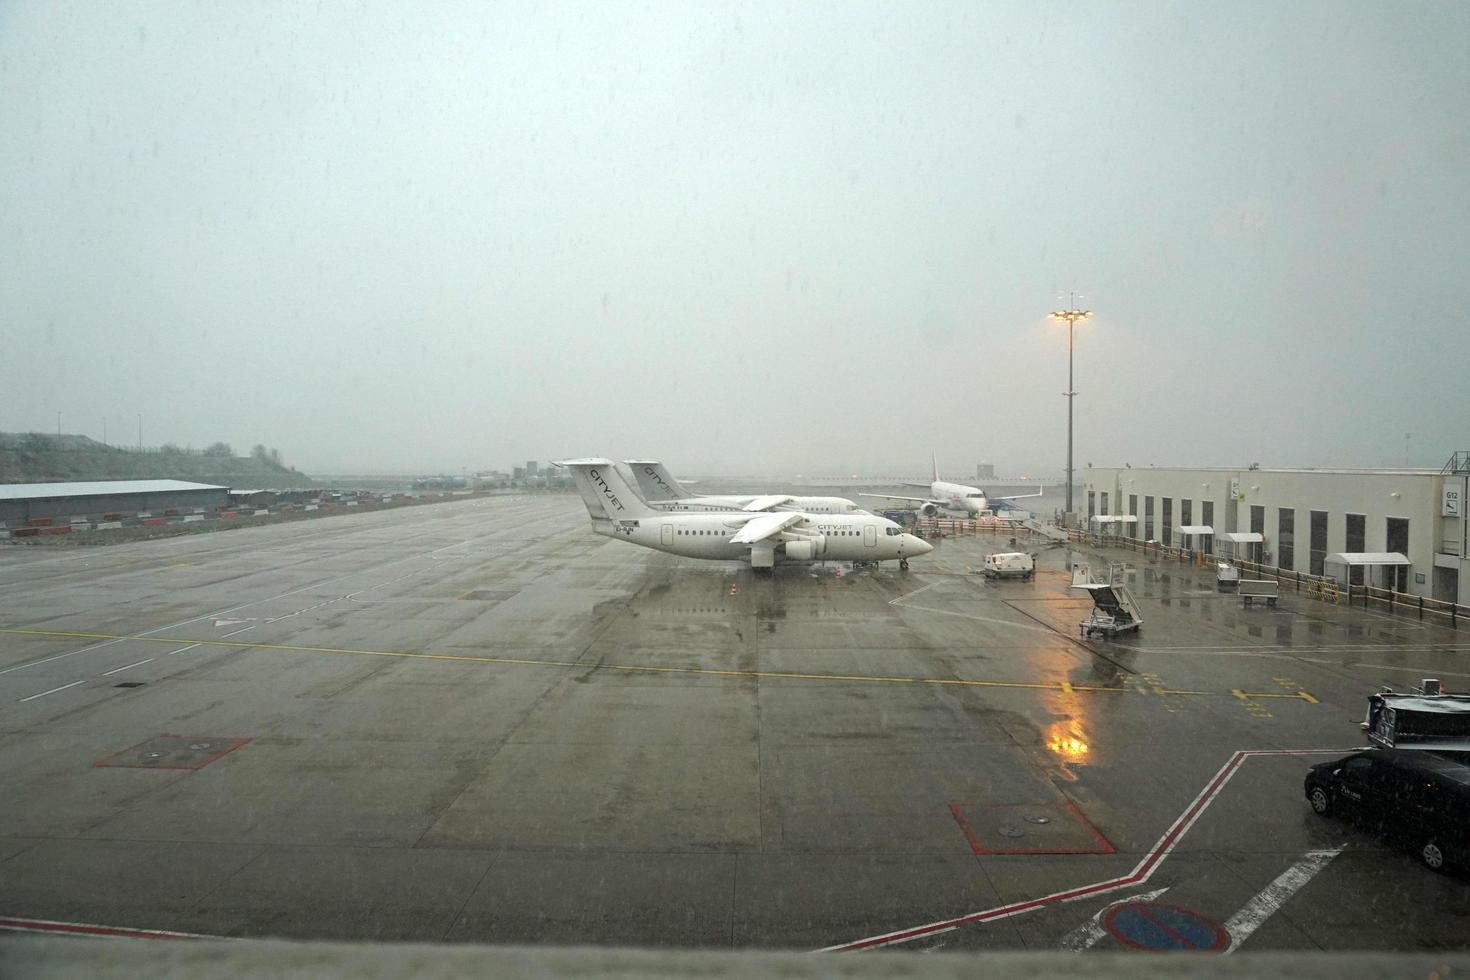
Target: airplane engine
x: 929, y: 510
x: 807, y: 549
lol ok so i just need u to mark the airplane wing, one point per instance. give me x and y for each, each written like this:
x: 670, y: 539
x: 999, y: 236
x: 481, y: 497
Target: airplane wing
x: 1021, y: 496
x: 889, y: 496
x: 767, y: 502
x: 765, y: 526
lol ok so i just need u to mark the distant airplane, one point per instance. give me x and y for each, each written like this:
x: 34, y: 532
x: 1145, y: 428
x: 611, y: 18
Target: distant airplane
x: 955, y: 498
x: 762, y: 538
x: 662, y: 492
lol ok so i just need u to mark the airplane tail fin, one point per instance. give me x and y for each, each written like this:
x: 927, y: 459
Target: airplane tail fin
x: 655, y: 482
x: 934, y: 458
x: 604, y: 491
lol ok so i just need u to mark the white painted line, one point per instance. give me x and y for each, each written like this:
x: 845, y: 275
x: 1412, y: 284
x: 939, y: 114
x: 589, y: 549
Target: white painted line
x: 52, y: 691
x: 1088, y: 933
x: 233, y: 632
x: 119, y: 670
x: 1275, y: 895
x: 182, y: 649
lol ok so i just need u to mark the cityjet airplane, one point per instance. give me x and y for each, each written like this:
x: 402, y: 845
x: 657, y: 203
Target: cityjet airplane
x: 662, y: 492
x: 954, y: 498
x: 762, y: 538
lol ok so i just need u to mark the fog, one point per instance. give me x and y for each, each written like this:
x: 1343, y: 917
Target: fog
x: 764, y: 239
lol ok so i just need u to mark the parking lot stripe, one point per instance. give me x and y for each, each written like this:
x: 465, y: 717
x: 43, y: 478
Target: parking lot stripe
x: 52, y: 691
x: 1273, y: 896
x: 119, y: 670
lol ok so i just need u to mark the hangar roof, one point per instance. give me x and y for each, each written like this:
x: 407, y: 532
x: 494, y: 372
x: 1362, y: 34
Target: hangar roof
x: 98, y: 488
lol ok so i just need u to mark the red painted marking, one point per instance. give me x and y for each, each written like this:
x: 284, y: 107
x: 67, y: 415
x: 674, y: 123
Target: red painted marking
x: 954, y: 810
x: 1138, y: 875
x: 83, y: 929
x: 1107, y: 847
x: 154, y: 521
x: 733, y: 590
x: 102, y: 763
x: 957, y: 811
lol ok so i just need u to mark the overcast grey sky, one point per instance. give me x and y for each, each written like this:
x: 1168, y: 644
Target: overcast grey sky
x: 754, y: 239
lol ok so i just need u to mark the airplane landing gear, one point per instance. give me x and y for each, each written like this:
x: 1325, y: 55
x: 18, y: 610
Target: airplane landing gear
x: 903, y: 564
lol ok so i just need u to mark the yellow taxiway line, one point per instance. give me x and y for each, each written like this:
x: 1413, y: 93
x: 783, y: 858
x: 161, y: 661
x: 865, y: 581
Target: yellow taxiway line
x: 1064, y: 687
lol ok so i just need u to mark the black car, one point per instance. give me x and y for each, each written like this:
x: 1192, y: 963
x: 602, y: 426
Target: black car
x: 1417, y: 795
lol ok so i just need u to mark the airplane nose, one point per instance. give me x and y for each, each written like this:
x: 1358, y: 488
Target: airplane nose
x: 913, y: 546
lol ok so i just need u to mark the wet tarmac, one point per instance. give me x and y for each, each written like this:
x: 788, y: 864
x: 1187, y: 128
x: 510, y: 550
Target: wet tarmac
x: 480, y: 721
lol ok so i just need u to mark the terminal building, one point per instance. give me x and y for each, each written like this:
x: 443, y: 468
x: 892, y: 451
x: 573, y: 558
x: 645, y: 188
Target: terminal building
x: 1403, y: 529
x: 27, y: 504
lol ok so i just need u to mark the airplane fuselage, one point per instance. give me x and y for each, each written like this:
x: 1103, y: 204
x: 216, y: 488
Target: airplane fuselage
x: 807, y: 505
x: 694, y: 534
x: 959, y: 498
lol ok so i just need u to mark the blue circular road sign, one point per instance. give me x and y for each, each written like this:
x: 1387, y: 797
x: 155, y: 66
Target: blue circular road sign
x: 1164, y: 928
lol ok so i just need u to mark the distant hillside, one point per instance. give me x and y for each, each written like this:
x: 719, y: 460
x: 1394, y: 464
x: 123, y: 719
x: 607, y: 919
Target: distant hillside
x: 34, y: 457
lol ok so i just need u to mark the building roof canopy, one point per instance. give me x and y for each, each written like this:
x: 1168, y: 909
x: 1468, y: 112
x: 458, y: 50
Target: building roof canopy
x: 1368, y: 558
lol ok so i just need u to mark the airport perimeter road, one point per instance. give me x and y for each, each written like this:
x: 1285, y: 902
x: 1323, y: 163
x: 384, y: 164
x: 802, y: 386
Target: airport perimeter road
x: 479, y: 721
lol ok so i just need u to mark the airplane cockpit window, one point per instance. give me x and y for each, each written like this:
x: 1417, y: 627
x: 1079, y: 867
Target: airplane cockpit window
x: 892, y: 531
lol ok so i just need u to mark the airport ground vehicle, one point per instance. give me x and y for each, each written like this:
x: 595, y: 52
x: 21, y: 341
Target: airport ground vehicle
x: 1257, y: 590
x: 1227, y: 576
x: 1413, y: 795
x: 1009, y: 564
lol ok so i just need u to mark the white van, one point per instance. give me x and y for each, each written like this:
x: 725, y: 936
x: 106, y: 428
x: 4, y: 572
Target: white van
x: 1010, y: 564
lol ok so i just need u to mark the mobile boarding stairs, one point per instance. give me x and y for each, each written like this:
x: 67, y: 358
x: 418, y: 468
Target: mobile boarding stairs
x: 1114, y: 610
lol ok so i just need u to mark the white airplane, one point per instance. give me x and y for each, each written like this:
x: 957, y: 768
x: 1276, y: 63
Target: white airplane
x: 662, y: 492
x: 955, y: 498
x: 761, y: 538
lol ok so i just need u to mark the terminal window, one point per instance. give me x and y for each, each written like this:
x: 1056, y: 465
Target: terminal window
x: 1356, y: 538
x: 1396, y: 534
x: 1103, y: 502
x: 1091, y: 502
x: 1133, y: 509
x: 1168, y: 521
x: 1286, y: 538
x: 1318, y: 556
x: 1207, y: 518
x: 1148, y: 518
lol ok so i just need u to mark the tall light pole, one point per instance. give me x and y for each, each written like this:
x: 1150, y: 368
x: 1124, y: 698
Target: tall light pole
x: 1072, y: 315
